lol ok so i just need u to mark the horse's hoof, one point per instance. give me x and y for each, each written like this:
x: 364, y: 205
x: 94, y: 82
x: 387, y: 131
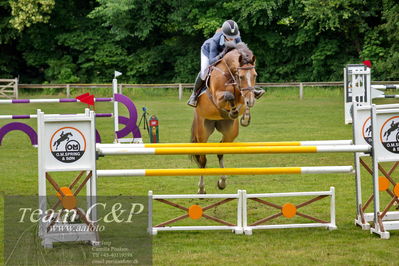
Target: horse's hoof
x: 201, y: 191
x: 221, y: 184
x: 245, y: 121
x: 233, y: 115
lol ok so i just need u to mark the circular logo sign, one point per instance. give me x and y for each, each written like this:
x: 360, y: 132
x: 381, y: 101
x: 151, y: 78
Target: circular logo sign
x: 68, y: 144
x: 366, y: 131
x: 389, y: 134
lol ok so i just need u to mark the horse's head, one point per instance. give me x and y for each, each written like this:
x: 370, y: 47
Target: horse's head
x: 245, y: 73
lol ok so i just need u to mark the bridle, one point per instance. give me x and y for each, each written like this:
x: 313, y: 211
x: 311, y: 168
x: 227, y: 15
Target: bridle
x: 237, y: 76
x: 234, y: 84
x: 239, y: 79
x: 233, y: 77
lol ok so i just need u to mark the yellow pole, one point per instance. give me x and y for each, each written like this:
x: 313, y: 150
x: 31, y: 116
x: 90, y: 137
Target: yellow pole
x: 236, y: 150
x: 223, y: 171
x: 224, y: 144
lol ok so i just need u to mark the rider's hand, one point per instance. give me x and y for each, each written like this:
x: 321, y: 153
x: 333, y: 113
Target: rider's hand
x: 220, y: 56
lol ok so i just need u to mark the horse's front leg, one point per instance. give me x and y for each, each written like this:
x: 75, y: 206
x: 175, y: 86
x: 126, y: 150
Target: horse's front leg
x: 246, y: 117
x: 222, y: 181
x: 226, y: 100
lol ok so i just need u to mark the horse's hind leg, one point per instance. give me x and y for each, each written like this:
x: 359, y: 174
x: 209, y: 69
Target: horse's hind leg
x: 201, y: 162
x: 229, y: 129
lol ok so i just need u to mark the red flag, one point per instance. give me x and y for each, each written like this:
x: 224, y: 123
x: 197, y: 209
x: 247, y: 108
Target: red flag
x: 82, y: 96
x: 367, y: 63
x: 89, y: 99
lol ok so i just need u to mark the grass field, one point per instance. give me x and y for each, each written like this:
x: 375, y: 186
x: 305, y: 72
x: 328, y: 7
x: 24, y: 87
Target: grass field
x: 278, y: 116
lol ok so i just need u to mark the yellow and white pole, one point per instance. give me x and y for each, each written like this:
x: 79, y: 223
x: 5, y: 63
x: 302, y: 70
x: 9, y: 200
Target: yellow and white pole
x: 228, y: 144
x: 226, y: 171
x: 233, y: 150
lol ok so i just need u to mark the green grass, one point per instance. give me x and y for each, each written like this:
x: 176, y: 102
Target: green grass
x: 278, y: 116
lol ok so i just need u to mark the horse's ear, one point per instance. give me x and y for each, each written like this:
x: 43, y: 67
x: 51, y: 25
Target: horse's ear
x: 240, y: 59
x: 253, y: 60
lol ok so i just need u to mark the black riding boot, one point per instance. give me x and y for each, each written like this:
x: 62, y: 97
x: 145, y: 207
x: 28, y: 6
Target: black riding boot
x: 259, y: 93
x: 199, y: 83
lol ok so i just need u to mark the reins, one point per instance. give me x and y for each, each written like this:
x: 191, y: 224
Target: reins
x: 229, y: 76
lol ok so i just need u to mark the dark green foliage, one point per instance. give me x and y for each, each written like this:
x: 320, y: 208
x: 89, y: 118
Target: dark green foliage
x: 158, y: 41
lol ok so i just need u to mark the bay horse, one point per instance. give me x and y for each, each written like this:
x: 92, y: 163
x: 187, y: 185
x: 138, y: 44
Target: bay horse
x: 229, y: 94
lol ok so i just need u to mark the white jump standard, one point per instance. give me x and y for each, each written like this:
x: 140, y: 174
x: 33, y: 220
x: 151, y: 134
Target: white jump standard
x: 362, y: 135
x: 386, y: 149
x: 78, y: 154
x: 358, y: 88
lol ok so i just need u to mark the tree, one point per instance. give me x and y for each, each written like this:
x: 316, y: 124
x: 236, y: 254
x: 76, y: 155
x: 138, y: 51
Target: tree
x: 28, y: 12
x: 159, y: 40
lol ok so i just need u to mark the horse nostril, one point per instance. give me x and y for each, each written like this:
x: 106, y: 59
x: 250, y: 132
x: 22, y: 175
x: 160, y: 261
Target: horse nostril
x: 250, y: 103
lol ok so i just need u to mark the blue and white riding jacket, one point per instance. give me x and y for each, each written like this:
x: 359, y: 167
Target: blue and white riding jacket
x: 214, y: 46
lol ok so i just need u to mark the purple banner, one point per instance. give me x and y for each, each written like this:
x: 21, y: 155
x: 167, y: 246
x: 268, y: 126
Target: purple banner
x: 21, y: 101
x: 21, y: 117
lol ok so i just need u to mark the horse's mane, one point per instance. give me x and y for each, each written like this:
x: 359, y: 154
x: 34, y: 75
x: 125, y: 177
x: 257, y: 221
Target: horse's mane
x: 244, y: 51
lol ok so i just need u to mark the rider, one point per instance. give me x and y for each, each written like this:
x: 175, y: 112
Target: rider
x: 212, y: 50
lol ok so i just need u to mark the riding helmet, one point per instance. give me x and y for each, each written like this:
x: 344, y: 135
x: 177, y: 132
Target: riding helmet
x: 230, y: 29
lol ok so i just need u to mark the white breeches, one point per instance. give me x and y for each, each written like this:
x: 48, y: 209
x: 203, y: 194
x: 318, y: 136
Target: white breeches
x: 204, y: 65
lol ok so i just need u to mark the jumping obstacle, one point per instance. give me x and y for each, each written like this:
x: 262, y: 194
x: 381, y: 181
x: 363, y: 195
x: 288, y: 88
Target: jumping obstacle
x: 120, y: 135
x: 379, y: 119
x: 242, y: 224
x: 358, y: 88
x: 228, y: 144
x: 72, y: 144
x: 29, y: 130
x: 362, y: 135
x: 226, y: 171
x: 78, y: 154
x: 384, y: 151
x: 232, y: 150
x: 196, y: 212
x: 288, y: 210
x: 35, y: 116
x: 65, y: 100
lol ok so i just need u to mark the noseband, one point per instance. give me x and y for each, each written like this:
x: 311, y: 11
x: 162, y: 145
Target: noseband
x: 239, y: 79
x: 234, y: 77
